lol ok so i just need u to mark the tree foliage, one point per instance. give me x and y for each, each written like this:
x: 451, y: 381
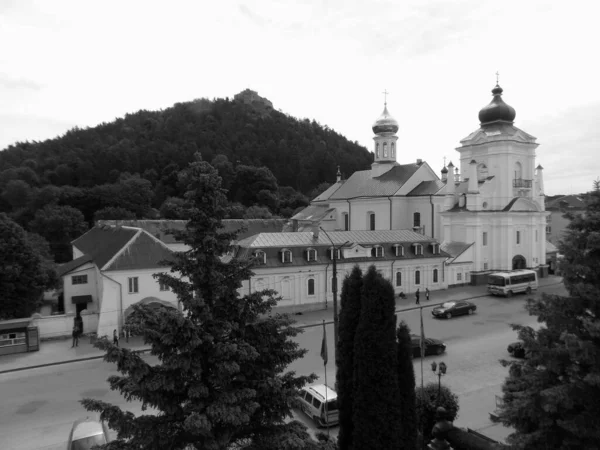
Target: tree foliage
x: 221, y: 381
x: 25, y: 272
x: 348, y: 322
x: 552, y: 398
x: 428, y: 399
x: 406, y: 384
x: 376, y: 412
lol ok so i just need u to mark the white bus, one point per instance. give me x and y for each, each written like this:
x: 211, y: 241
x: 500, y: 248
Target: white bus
x: 512, y: 282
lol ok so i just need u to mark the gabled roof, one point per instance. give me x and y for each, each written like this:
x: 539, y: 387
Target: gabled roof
x: 427, y: 188
x: 362, y: 183
x: 551, y: 248
x: 329, y: 191
x: 102, y: 243
x: 313, y: 213
x: 72, y: 265
x: 455, y: 248
x: 566, y: 201
x: 143, y: 252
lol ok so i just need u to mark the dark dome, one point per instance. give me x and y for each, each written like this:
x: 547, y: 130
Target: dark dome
x: 497, y: 109
x: 385, y: 123
x: 444, y: 170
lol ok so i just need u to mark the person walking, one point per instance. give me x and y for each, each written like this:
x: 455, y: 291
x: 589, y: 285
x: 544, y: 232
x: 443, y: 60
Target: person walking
x: 427, y: 293
x: 126, y: 331
x: 115, y: 338
x: 417, y: 295
x: 75, y: 337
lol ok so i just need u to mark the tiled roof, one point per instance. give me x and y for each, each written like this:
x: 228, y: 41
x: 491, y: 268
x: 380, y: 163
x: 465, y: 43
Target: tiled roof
x: 144, y: 252
x: 253, y: 226
x: 103, y: 242
x: 313, y: 213
x: 566, y: 201
x: 305, y: 239
x: 455, y: 248
x: 427, y: 188
x: 362, y: 184
x: 329, y: 191
x: 72, y: 265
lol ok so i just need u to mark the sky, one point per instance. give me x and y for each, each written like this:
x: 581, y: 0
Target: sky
x: 79, y: 63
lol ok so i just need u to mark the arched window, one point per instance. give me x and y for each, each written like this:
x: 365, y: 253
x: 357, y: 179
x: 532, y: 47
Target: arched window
x: 311, y: 254
x: 261, y: 257
x: 416, y: 219
x: 399, y: 250
x: 417, y: 277
x: 518, y: 171
x: 338, y: 253
x: 393, y: 148
x: 385, y: 154
x: 377, y: 150
x: 286, y: 256
x: 398, y: 278
x: 346, y: 221
x: 310, y: 285
x: 371, y: 221
x: 377, y: 251
x: 435, y: 275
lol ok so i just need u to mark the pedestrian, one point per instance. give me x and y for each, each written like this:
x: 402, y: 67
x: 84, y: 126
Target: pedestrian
x: 427, y: 293
x: 417, y: 294
x: 126, y: 331
x: 115, y: 338
x: 75, y: 337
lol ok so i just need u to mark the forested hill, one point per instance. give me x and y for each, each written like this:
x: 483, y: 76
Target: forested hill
x: 270, y: 163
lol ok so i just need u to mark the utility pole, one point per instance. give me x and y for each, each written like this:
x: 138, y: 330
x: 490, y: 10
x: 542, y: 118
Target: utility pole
x: 335, y: 291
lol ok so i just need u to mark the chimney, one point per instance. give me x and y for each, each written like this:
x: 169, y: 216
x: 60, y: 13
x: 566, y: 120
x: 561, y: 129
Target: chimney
x: 419, y: 162
x: 338, y: 175
x: 315, y: 231
x: 473, y: 184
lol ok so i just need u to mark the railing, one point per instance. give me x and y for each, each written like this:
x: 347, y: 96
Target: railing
x: 520, y: 183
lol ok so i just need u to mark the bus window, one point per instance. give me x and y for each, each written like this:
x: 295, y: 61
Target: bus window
x: 495, y: 280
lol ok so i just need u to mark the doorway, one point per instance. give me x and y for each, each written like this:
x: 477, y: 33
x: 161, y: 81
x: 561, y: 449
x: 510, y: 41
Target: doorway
x: 518, y: 262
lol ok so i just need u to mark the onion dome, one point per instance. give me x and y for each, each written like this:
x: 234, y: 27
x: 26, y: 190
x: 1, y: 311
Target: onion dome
x: 385, y: 123
x: 444, y: 170
x: 497, y: 109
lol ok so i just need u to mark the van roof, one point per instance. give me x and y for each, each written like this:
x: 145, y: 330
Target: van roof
x: 320, y: 390
x: 513, y: 272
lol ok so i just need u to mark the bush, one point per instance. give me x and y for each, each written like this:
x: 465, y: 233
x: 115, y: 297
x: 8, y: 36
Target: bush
x: 427, y: 402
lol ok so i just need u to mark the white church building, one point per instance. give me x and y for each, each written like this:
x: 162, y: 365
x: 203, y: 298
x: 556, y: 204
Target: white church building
x: 488, y: 212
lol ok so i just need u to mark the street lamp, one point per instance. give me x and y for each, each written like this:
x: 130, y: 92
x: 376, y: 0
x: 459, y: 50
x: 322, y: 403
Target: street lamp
x: 334, y: 289
x: 441, y: 371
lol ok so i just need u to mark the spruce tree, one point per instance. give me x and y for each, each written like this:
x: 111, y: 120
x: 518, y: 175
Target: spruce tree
x: 406, y: 385
x: 348, y: 321
x: 220, y: 382
x: 552, y: 398
x: 376, y: 412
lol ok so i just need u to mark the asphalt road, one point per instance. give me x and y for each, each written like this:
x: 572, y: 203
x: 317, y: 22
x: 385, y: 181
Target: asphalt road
x: 40, y: 405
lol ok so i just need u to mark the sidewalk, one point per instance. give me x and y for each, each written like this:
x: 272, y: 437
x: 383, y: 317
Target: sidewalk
x: 57, y: 352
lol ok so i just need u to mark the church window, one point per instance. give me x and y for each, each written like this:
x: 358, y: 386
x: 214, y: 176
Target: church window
x: 435, y: 248
x: 311, y: 286
x: 518, y: 237
x: 485, y: 236
x: 418, y: 249
x: 393, y: 148
x: 416, y: 220
x: 377, y: 251
x: 385, y: 152
x: 338, y: 253
x: 261, y: 257
x: 371, y: 221
x: 435, y: 275
x: 346, y: 221
x: 398, y: 250
x: 311, y: 254
x: 377, y: 150
x: 398, y: 278
x: 518, y: 171
x: 286, y: 256
x: 417, y: 277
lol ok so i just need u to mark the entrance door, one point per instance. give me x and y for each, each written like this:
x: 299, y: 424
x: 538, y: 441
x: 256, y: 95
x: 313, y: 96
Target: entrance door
x: 518, y: 262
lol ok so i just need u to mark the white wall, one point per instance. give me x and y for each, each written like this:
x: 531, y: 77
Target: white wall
x: 90, y: 288
x: 62, y: 326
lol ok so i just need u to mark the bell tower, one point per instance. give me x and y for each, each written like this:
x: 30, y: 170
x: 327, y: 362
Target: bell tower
x: 385, y: 128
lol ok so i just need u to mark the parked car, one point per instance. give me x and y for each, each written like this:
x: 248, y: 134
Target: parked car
x: 313, y: 400
x: 451, y: 309
x: 517, y: 349
x: 432, y: 346
x: 87, y: 433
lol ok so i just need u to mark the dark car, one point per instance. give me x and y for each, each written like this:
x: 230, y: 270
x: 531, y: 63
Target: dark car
x: 516, y: 349
x: 455, y: 308
x: 432, y: 346
x: 87, y: 433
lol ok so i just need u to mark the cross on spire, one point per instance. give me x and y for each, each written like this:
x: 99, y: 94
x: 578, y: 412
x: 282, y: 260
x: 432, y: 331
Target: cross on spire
x: 497, y: 75
x: 444, y: 161
x: 385, y: 93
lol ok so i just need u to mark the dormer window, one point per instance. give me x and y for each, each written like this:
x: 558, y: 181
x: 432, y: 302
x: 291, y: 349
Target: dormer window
x: 377, y: 251
x: 311, y: 254
x: 261, y: 257
x: 398, y: 250
x: 286, y: 256
x: 418, y: 249
x: 338, y: 253
x: 435, y: 248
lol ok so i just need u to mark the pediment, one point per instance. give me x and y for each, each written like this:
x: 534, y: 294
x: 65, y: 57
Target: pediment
x: 356, y: 251
x: 522, y: 204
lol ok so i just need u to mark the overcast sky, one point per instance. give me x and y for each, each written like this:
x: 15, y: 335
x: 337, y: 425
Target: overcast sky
x: 79, y: 63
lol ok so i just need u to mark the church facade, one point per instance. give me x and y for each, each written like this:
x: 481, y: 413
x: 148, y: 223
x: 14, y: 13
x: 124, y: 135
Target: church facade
x: 488, y: 212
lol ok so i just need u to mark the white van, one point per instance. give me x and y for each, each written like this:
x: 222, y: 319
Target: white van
x: 512, y: 282
x: 312, y: 401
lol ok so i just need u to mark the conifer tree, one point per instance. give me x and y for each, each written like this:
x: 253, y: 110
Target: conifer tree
x: 220, y: 381
x: 376, y: 415
x: 552, y: 398
x: 406, y: 385
x: 348, y: 321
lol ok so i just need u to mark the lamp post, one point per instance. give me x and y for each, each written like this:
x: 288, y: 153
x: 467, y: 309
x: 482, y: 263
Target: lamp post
x: 335, y: 290
x: 441, y: 371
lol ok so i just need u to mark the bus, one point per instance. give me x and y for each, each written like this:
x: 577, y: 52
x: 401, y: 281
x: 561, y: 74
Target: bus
x: 512, y: 282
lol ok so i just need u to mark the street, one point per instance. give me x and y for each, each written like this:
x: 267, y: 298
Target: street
x: 40, y: 405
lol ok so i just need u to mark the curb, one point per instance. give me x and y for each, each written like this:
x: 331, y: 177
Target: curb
x: 58, y: 363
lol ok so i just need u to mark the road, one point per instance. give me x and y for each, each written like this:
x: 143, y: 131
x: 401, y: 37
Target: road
x: 40, y: 405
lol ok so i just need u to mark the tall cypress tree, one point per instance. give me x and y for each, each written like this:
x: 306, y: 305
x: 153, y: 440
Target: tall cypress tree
x: 376, y: 412
x: 552, y: 398
x: 348, y: 321
x: 406, y: 385
x: 220, y: 382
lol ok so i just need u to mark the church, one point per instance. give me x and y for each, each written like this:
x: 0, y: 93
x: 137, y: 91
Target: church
x: 487, y: 212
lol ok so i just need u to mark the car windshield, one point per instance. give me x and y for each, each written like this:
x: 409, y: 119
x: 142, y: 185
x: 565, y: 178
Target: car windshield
x: 88, y: 442
x: 448, y: 305
x: 495, y: 280
x: 332, y: 405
